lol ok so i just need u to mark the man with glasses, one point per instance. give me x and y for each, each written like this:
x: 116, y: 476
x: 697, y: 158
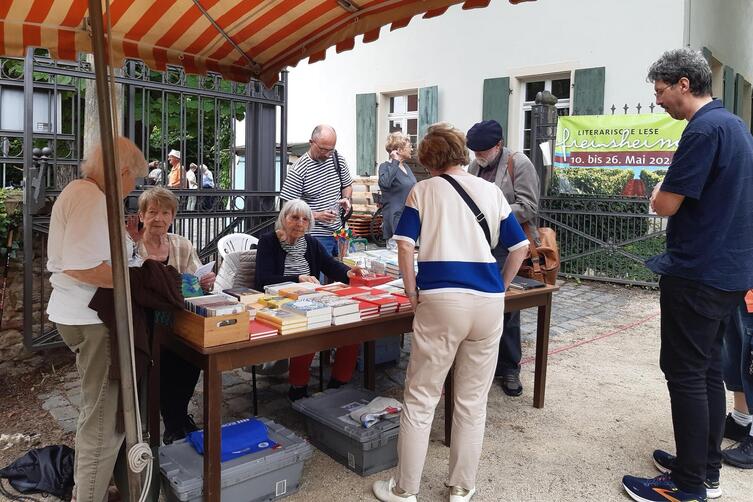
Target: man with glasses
x: 322, y: 179
x: 707, y: 267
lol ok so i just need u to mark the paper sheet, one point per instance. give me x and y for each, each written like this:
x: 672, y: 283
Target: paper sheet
x: 204, y: 270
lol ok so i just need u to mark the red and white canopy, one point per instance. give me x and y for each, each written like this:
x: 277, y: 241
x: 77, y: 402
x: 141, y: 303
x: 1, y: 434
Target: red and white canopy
x: 236, y: 38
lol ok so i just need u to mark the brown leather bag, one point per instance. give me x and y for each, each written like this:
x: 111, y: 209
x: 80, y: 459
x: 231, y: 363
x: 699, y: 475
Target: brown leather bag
x: 543, y: 260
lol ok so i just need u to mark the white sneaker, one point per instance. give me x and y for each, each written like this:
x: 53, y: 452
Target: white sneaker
x: 385, y: 491
x: 458, y: 494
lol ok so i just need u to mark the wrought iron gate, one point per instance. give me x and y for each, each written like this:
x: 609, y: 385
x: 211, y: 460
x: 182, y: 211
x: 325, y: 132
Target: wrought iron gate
x: 42, y: 112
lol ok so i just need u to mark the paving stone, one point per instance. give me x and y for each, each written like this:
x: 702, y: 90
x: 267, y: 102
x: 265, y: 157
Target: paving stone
x: 64, y: 413
x: 229, y: 379
x: 68, y: 425
x: 72, y: 384
x: 57, y: 400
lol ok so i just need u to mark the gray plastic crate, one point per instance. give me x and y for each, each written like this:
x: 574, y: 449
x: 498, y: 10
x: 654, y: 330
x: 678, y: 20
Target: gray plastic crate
x: 265, y: 475
x: 330, y: 428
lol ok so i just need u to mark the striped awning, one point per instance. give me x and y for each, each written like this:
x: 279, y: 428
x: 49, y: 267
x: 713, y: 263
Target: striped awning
x: 239, y: 39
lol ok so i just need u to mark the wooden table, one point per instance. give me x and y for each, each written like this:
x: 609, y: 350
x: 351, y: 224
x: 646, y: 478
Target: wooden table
x: 215, y: 360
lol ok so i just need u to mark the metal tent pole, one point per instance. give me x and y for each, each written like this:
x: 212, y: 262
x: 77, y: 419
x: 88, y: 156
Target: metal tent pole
x: 115, y: 219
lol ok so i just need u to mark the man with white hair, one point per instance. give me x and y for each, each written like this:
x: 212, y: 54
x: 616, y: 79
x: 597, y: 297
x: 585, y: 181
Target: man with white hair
x: 176, y: 177
x: 321, y: 178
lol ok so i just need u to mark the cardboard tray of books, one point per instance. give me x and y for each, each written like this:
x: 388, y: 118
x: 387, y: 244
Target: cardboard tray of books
x: 212, y: 331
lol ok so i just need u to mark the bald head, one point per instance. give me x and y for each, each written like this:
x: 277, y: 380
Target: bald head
x: 322, y: 142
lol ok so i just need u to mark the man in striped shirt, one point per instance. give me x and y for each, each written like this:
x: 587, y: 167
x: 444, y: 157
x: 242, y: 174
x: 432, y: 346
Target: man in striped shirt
x: 321, y: 178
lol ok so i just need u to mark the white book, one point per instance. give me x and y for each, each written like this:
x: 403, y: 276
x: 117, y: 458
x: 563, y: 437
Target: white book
x: 345, y: 319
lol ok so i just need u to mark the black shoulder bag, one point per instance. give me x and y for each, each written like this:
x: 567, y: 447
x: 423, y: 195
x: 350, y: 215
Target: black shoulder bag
x: 480, y: 218
x: 343, y: 215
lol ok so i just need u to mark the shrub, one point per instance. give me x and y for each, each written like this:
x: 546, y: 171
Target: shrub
x: 590, y: 180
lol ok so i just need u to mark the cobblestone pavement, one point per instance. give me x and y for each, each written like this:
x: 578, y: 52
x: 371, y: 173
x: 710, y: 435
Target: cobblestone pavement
x: 576, y: 307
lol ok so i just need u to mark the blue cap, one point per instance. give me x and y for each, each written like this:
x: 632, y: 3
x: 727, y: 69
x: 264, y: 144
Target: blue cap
x: 484, y: 135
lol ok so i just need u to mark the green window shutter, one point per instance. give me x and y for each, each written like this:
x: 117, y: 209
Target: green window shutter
x: 728, y: 96
x: 366, y: 133
x: 496, y: 103
x: 588, y: 95
x: 428, y: 108
x: 739, y: 89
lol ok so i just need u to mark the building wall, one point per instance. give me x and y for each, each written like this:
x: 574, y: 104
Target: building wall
x: 458, y: 50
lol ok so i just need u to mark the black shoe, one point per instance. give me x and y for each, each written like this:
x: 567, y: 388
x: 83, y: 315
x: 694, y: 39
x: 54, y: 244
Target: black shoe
x: 335, y: 384
x: 190, y: 426
x: 296, y: 393
x: 173, y: 435
x: 666, y: 462
x: 735, y: 431
x: 740, y: 456
x: 511, y: 385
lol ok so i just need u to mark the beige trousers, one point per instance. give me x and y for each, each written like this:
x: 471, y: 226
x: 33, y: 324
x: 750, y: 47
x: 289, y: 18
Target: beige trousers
x: 97, y: 440
x: 449, y: 327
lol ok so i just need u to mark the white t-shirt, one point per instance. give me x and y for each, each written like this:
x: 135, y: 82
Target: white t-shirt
x: 78, y: 240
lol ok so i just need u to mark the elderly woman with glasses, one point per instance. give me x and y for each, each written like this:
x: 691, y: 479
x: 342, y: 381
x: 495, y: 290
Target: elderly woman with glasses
x: 290, y: 253
x: 459, y: 297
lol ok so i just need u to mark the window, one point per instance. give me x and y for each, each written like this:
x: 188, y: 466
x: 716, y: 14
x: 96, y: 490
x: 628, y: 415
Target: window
x: 403, y: 115
x: 560, y: 87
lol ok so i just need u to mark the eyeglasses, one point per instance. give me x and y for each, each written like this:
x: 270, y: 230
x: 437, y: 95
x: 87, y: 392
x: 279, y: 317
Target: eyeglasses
x: 324, y: 150
x: 658, y: 92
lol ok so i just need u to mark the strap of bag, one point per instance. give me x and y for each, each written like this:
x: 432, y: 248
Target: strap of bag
x: 480, y: 218
x: 510, y: 170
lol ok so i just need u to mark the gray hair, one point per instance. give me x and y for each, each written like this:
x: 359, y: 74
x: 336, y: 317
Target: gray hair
x: 317, y: 132
x: 685, y: 62
x: 129, y: 157
x: 294, y: 206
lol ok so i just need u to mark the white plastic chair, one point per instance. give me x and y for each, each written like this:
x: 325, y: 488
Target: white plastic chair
x: 235, y: 242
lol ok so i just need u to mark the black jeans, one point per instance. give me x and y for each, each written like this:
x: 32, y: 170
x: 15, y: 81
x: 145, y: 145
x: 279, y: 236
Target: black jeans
x: 510, y: 352
x: 693, y: 321
x: 178, y: 380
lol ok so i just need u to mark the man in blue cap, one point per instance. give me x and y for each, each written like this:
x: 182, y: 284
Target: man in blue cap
x: 515, y: 175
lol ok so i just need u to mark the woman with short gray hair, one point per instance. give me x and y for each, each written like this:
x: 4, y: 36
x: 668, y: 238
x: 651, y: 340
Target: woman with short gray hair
x: 291, y: 253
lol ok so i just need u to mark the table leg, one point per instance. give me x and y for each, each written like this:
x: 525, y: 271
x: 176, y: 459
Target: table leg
x: 212, y: 424
x: 542, y: 351
x: 449, y: 407
x: 369, y: 365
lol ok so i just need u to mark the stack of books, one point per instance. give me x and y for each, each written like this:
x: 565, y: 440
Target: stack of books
x: 274, y: 302
x: 331, y: 287
x: 386, y: 303
x: 403, y: 302
x: 352, y: 291
x: 370, y: 280
x: 317, y: 314
x: 214, y: 305
x: 258, y: 329
x: 274, y: 289
x: 285, y: 321
x: 246, y: 296
x: 344, y: 310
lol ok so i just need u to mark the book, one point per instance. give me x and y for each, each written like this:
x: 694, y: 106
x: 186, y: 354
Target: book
x: 295, y: 292
x: 274, y: 289
x: 258, y: 329
x: 307, y: 308
x: 274, y: 302
x: 340, y: 306
x: 346, y: 319
x: 246, y: 296
x: 320, y: 324
x: 204, y: 269
x: 370, y: 280
x: 352, y: 291
x: 525, y: 283
x: 281, y: 317
x: 227, y: 309
x: 385, y: 303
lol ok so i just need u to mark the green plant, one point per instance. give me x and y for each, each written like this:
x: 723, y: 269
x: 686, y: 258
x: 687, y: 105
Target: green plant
x: 10, y: 199
x: 590, y: 180
x: 651, y: 178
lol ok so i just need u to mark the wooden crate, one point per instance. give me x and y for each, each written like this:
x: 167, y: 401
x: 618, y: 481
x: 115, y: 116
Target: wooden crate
x: 212, y: 331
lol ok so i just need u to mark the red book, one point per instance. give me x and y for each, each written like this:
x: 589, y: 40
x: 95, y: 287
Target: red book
x: 370, y: 280
x: 352, y: 291
x: 258, y: 329
x: 386, y: 303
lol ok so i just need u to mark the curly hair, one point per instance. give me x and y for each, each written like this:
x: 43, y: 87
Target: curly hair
x: 396, y: 141
x: 685, y: 62
x: 443, y: 147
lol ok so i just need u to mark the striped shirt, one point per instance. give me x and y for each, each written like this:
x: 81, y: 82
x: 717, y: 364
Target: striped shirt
x: 295, y: 259
x: 318, y: 184
x: 454, y: 255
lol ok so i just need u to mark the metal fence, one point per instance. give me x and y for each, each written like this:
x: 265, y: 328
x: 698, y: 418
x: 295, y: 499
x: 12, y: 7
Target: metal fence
x: 42, y: 128
x: 605, y: 238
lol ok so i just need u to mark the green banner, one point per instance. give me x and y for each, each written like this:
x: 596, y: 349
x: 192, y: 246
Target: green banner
x: 637, y: 142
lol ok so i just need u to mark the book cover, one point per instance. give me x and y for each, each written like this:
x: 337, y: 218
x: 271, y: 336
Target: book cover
x: 307, y: 308
x: 258, y: 329
x: 352, y: 291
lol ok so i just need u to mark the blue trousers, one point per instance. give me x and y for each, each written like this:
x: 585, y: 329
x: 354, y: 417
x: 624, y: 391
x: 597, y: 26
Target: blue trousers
x: 510, y: 352
x: 737, y: 355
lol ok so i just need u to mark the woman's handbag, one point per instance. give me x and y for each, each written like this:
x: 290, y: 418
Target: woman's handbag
x: 543, y: 260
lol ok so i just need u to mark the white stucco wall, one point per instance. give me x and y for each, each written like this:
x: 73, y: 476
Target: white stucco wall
x: 459, y: 49
x: 726, y: 28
